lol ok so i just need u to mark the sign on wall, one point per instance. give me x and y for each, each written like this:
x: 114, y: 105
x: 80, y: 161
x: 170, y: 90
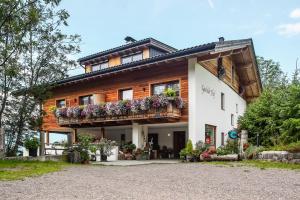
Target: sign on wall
x: 233, y: 134
x: 208, y: 90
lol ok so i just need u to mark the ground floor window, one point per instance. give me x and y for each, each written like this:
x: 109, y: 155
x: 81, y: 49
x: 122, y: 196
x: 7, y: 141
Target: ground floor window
x: 210, y: 135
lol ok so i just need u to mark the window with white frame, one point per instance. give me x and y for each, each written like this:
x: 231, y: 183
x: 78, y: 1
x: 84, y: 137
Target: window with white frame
x: 232, y: 119
x: 222, y: 101
x: 132, y: 58
x: 126, y: 94
x: 160, y: 88
x: 99, y: 66
x: 60, y: 103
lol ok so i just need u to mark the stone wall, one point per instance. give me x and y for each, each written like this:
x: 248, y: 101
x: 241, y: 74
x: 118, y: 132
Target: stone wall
x: 56, y: 158
x: 281, y: 156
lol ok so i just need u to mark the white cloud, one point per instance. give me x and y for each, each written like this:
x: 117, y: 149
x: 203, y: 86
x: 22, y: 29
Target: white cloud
x: 295, y: 13
x: 289, y: 29
x: 211, y: 3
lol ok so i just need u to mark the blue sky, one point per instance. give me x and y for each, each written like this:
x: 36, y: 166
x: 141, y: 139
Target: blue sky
x: 274, y: 27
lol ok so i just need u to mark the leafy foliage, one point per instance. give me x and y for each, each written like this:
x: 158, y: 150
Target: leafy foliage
x: 275, y: 116
x: 231, y: 147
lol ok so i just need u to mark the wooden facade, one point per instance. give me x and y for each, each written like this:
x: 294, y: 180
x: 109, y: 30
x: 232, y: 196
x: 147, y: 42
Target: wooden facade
x: 139, y: 81
x: 240, y: 74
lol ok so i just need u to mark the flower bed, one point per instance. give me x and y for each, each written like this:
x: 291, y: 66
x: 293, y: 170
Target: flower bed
x: 148, y: 105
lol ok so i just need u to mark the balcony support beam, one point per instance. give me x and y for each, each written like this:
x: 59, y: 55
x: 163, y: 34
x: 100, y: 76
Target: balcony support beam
x: 137, y: 135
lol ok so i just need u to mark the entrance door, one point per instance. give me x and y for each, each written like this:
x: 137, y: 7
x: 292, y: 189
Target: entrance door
x: 153, y: 137
x: 178, y: 142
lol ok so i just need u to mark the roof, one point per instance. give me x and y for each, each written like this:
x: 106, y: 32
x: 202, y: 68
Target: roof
x: 149, y: 41
x: 209, y: 48
x: 174, y: 54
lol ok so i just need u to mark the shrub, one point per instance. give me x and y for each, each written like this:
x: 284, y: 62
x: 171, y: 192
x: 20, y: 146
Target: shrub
x: 231, y: 147
x: 31, y: 143
x: 187, y: 151
x: 170, y: 92
x: 292, y: 147
x: 252, y: 151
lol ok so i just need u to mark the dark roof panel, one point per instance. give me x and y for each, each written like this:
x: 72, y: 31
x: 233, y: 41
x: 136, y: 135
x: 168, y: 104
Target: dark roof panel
x: 149, y: 41
x: 183, y: 52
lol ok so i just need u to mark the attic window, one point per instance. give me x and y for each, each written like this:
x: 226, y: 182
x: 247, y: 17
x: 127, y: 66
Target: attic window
x: 99, y: 66
x: 132, y: 58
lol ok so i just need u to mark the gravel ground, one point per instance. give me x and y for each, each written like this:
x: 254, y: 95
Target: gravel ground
x: 157, y: 181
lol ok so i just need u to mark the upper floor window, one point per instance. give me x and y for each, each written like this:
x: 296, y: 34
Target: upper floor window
x: 236, y: 108
x: 160, y: 88
x: 126, y: 94
x: 61, y: 103
x: 99, y: 66
x: 131, y: 58
x: 222, y: 101
x: 232, y: 119
x: 85, y: 100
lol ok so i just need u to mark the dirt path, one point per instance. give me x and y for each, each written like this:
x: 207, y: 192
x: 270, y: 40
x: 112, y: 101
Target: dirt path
x: 157, y: 181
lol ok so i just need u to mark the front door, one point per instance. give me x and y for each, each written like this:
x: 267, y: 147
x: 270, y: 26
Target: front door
x: 153, y: 138
x: 178, y: 142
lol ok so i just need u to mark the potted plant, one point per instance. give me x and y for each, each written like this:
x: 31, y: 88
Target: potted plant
x: 105, y: 147
x: 32, y: 144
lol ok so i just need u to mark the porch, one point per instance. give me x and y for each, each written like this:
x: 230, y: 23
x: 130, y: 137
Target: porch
x: 164, y: 141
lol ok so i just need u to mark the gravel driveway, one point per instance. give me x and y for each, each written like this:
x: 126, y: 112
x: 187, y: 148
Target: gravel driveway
x: 157, y: 181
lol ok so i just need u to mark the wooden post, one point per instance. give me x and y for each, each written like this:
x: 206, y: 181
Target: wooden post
x: 102, y: 132
x: 2, y: 143
x: 42, y: 143
x: 70, y: 139
x: 47, y: 137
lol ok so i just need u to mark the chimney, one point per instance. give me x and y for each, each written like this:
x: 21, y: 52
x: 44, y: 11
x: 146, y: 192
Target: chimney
x: 221, y: 39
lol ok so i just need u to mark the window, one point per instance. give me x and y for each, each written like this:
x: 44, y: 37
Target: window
x: 159, y: 88
x: 232, y: 119
x: 85, y: 100
x: 60, y: 103
x: 132, y: 58
x: 210, y: 135
x: 236, y: 108
x: 222, y: 101
x: 99, y: 66
x: 126, y: 94
x: 222, y: 139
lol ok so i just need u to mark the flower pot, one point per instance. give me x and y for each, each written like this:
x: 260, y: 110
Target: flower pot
x: 189, y: 158
x: 33, y: 152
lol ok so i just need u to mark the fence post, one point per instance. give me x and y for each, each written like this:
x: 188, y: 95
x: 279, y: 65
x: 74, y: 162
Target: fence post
x: 244, y: 139
x: 2, y: 143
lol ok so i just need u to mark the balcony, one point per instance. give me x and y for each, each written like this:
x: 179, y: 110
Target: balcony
x: 148, y: 110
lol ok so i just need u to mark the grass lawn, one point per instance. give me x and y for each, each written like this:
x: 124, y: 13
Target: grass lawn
x: 259, y: 164
x: 15, y: 170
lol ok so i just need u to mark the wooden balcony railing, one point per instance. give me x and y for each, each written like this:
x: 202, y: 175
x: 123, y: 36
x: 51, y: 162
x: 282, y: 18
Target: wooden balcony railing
x: 171, y: 112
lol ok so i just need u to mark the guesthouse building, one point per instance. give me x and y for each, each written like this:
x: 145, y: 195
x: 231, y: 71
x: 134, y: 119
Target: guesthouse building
x: 147, y: 91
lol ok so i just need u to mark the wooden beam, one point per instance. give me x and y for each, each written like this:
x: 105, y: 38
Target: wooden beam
x: 245, y: 66
x: 249, y: 83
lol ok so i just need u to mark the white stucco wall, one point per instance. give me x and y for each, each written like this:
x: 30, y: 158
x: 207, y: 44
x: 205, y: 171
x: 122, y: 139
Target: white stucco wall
x: 205, y: 103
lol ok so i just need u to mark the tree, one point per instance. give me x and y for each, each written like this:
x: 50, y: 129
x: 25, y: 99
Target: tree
x: 270, y: 73
x: 42, y: 60
x: 275, y: 116
x: 16, y: 17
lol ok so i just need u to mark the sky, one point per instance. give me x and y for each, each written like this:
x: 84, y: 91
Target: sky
x: 274, y: 25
